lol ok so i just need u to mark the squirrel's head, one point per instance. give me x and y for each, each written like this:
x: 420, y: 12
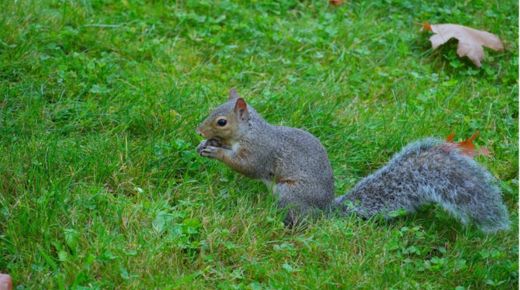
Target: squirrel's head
x: 227, y: 121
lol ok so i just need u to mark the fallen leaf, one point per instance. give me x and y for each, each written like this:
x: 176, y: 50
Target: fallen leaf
x: 467, y: 147
x: 450, y: 137
x: 6, y: 283
x: 470, y: 40
x: 335, y: 2
x: 484, y: 152
x: 427, y: 26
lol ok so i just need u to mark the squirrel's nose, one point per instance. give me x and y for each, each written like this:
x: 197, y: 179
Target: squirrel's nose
x: 198, y: 131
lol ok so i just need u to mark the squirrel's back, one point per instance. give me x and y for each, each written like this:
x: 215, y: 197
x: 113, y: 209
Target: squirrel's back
x: 431, y: 171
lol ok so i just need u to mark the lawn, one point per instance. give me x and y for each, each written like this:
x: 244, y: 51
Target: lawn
x: 101, y: 187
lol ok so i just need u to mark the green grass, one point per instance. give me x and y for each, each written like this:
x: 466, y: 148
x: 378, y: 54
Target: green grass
x: 100, y: 186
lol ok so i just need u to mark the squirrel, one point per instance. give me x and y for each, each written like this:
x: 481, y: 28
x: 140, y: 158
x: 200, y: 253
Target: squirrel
x: 295, y: 164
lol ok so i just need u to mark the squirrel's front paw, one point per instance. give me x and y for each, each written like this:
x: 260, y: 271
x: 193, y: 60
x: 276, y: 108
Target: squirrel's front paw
x: 210, y: 151
x: 206, y: 143
x: 201, y: 146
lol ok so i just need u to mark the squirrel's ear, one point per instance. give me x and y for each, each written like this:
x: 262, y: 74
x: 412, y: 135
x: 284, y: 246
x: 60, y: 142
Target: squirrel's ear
x: 241, y: 109
x: 233, y: 94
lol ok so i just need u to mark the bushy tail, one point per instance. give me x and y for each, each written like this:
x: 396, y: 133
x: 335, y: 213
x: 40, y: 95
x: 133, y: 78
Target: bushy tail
x: 430, y: 171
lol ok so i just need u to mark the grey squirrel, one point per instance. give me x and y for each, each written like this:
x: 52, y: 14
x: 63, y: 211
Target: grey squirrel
x: 295, y: 163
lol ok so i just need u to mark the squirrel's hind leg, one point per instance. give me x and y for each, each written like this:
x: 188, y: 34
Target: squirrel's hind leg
x: 295, y: 200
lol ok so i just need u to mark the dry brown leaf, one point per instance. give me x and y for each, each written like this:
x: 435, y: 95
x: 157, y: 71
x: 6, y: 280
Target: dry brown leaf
x: 470, y: 40
x: 467, y: 147
x: 6, y: 283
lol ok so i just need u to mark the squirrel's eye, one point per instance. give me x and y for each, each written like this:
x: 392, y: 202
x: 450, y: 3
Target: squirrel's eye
x: 221, y: 122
